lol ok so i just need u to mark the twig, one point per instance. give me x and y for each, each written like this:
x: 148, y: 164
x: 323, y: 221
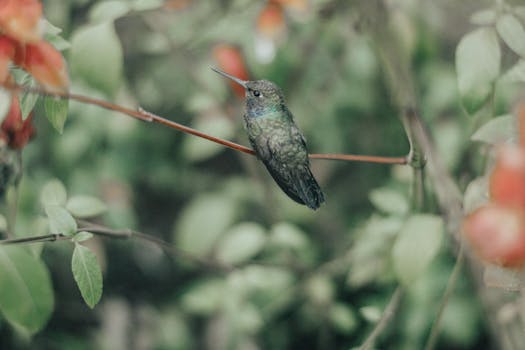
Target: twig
x: 448, y: 196
x: 434, y: 331
x: 142, y: 115
x: 138, y: 114
x: 361, y: 158
x: 383, y: 322
x: 101, y: 230
x: 104, y: 231
x: 35, y: 239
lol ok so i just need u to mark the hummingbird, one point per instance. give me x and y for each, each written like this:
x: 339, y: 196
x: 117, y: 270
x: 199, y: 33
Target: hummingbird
x: 277, y: 141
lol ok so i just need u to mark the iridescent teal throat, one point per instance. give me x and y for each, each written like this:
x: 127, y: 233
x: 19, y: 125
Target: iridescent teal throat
x: 270, y: 111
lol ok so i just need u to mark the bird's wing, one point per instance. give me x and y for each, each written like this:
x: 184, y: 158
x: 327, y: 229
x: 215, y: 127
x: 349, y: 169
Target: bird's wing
x: 282, y: 176
x: 296, y: 181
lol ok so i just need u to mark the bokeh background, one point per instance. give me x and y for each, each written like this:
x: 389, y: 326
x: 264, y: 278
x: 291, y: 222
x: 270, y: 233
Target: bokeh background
x: 300, y: 279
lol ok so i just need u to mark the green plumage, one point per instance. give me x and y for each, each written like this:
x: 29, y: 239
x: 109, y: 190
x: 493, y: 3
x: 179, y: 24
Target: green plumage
x: 277, y: 141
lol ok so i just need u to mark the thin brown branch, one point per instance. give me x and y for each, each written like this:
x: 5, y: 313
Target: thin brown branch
x: 101, y: 230
x: 385, y: 318
x: 138, y: 114
x: 361, y: 158
x: 434, y: 331
x: 145, y: 116
x: 104, y: 231
x: 35, y: 239
x: 423, y: 147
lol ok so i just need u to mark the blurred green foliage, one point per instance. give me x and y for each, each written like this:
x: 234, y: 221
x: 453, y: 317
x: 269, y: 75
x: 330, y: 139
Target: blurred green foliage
x: 296, y: 279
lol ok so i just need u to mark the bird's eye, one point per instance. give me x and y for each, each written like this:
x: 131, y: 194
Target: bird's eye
x: 256, y: 93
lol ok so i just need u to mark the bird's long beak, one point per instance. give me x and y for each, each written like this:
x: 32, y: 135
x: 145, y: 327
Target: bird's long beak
x: 235, y: 79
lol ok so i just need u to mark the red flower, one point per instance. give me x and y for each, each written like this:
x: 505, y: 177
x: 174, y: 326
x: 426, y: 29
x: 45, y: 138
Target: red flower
x: 19, y: 19
x: 21, y: 42
x: 7, y: 52
x: 14, y: 131
x: 497, y: 234
x: 44, y: 63
x: 299, y: 5
x: 231, y: 60
x: 271, y: 22
x: 497, y: 231
x: 507, y: 182
x: 176, y: 5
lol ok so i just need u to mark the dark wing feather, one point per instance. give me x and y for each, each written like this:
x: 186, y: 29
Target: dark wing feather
x: 296, y: 180
x: 299, y: 184
x: 281, y: 153
x: 285, y: 182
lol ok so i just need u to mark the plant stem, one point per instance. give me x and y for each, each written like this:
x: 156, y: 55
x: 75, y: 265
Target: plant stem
x: 385, y: 318
x: 166, y: 246
x: 35, y: 239
x: 100, y: 230
x: 145, y: 116
x: 434, y: 331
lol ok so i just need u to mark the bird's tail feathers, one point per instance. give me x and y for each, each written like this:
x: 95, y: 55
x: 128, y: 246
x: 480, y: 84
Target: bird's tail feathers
x: 308, y: 189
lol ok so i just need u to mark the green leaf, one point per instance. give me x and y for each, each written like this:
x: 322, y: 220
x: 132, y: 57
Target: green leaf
x: 143, y: 5
x: 271, y: 284
x: 60, y: 220
x: 28, y: 99
x: 85, y: 206
x: 476, y: 194
x: 53, y: 193
x: 369, y: 259
x: 108, y: 11
x: 370, y: 313
x: 26, y: 293
x: 38, y: 226
x: 320, y: 289
x: 477, y: 65
x: 56, y: 112
x: 82, y: 236
x: 450, y: 141
x: 343, y: 318
x: 96, y: 56
x: 87, y: 274
x: 248, y: 318
x: 57, y: 41
x: 286, y: 235
x: 520, y: 12
x: 52, y: 35
x: 49, y: 28
x: 217, y: 125
x: 389, y: 201
x: 483, y: 17
x: 202, y: 222
x: 204, y: 297
x: 516, y: 73
x: 241, y: 243
x: 3, y: 223
x: 499, y: 130
x: 416, y: 246
x: 512, y: 33
x: 461, y: 321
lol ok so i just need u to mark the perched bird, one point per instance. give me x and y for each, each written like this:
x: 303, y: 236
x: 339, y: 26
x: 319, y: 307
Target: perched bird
x: 277, y: 141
